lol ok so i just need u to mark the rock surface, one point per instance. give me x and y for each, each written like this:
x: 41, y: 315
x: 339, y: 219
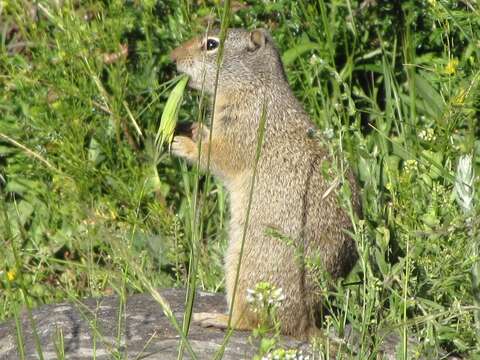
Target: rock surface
x: 92, y: 329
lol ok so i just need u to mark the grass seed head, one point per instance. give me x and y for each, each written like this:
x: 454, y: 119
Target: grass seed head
x: 169, y: 117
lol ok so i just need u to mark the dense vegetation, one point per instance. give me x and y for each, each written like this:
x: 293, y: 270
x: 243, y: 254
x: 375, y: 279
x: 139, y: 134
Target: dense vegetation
x: 89, y: 206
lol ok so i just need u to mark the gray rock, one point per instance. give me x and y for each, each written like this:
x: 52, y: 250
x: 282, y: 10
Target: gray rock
x: 90, y: 330
x: 95, y: 328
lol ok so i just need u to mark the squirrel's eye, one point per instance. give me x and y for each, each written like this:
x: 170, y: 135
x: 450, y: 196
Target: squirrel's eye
x: 211, y: 44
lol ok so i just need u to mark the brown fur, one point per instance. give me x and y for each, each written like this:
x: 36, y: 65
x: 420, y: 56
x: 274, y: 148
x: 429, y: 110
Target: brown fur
x: 289, y: 192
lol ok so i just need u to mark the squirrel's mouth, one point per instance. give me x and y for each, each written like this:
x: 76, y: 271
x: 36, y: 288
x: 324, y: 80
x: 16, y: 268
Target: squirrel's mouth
x: 197, y: 75
x: 186, y: 71
x: 192, y: 81
x: 182, y: 69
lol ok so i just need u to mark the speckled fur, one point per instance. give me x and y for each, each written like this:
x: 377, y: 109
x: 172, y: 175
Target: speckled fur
x: 289, y: 189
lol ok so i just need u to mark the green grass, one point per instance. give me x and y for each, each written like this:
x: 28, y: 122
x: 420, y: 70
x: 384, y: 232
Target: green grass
x: 89, y: 206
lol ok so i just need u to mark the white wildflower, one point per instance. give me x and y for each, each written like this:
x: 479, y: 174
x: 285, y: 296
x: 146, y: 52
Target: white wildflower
x: 464, y: 191
x: 265, y: 297
x: 277, y: 296
x: 410, y: 165
x: 427, y: 134
x: 250, y: 296
x: 329, y: 133
x: 283, y: 354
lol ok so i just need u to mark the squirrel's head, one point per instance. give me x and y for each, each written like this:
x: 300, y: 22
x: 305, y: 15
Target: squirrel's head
x: 250, y: 60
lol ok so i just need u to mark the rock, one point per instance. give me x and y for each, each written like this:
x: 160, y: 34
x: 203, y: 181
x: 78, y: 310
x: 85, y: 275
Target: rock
x: 95, y: 328
x: 92, y: 327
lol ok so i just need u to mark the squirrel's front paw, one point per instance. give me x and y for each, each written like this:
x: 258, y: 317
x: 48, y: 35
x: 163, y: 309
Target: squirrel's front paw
x: 184, y: 147
x: 199, y: 131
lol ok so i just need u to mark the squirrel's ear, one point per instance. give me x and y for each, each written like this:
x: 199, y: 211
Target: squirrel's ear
x: 258, y: 38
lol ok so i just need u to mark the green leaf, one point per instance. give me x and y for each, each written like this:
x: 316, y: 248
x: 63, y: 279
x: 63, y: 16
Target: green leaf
x: 169, y: 117
x: 292, y: 54
x: 433, y: 100
x: 5, y: 150
x: 95, y: 153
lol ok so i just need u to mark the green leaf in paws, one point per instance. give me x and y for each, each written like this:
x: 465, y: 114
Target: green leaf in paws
x: 169, y: 117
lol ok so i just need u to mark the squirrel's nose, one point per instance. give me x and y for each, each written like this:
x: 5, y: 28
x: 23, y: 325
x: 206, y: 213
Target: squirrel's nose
x: 185, y: 50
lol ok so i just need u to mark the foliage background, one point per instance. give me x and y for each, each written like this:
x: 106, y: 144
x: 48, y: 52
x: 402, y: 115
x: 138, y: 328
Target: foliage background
x: 88, y: 207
